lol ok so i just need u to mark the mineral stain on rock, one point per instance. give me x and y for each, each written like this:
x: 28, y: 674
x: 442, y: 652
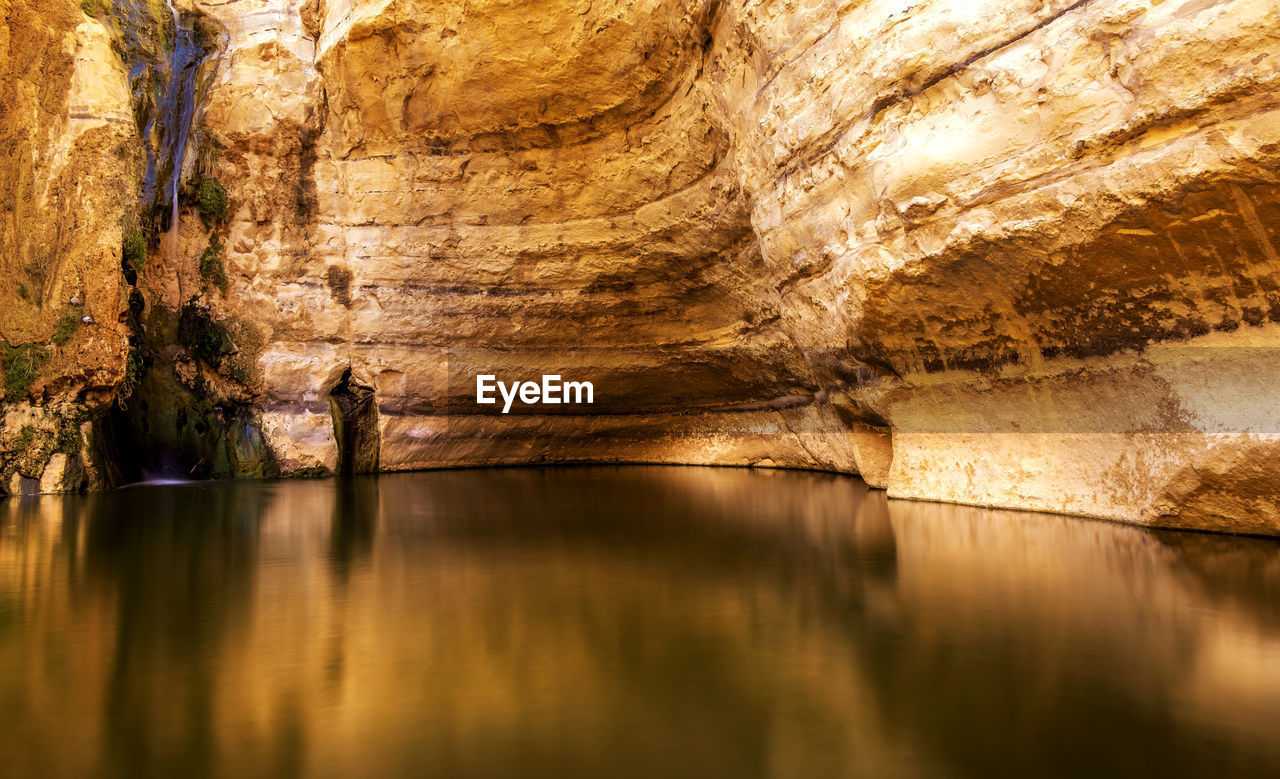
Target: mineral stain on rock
x: 974, y: 253
x: 339, y: 281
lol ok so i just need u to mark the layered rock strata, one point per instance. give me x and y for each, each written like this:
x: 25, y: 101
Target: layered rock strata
x: 1012, y: 254
x: 1053, y: 228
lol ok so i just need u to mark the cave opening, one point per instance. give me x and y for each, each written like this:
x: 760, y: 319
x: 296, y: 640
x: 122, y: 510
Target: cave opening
x: 355, y: 426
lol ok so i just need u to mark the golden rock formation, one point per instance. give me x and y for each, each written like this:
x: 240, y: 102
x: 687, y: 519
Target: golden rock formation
x: 1017, y: 254
x: 67, y: 145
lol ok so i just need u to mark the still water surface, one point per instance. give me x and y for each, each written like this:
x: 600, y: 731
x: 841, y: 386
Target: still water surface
x: 622, y: 622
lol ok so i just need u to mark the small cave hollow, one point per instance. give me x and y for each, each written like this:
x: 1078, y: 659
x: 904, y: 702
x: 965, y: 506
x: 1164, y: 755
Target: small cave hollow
x: 355, y: 426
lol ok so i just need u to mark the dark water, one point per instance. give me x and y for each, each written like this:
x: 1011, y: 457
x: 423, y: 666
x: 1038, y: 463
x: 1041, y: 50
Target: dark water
x: 633, y: 622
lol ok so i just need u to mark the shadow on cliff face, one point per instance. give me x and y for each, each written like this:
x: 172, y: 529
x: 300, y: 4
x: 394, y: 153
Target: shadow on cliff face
x: 170, y: 432
x: 355, y: 425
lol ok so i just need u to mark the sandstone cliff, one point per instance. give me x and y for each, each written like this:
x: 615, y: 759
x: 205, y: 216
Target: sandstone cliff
x: 67, y: 146
x: 1013, y: 254
x: 1052, y: 228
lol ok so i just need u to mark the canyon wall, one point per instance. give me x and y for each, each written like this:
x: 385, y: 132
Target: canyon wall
x: 1017, y: 254
x: 68, y: 148
x: 1052, y: 228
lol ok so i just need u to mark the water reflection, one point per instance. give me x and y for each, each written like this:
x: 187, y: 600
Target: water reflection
x: 622, y: 622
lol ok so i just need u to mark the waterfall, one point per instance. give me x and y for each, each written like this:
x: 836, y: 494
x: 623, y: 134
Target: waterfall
x: 163, y: 76
x: 178, y: 109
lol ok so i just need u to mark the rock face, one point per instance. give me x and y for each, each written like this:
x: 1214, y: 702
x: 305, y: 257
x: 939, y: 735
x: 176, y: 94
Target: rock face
x: 1053, y: 227
x: 1011, y: 254
x: 67, y: 145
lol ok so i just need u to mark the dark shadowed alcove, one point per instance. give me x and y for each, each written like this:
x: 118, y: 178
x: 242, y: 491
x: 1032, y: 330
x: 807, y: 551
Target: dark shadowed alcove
x: 355, y: 425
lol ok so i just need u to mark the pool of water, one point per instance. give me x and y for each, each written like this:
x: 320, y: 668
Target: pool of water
x: 622, y: 622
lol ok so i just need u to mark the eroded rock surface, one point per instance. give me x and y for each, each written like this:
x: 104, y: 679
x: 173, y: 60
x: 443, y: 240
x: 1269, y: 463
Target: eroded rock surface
x: 67, y: 146
x: 1019, y: 254
x: 1053, y: 226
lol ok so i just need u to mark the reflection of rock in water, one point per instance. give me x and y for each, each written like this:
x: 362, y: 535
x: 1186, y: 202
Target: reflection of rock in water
x: 181, y: 563
x: 1232, y: 574
x: 1050, y: 636
x: 355, y: 521
x: 626, y: 622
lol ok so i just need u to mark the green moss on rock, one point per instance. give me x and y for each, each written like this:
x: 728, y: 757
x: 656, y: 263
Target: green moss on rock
x: 212, y: 269
x: 134, y: 250
x: 69, y: 441
x: 67, y: 324
x: 32, y: 450
x: 204, y: 337
x: 213, y: 202
x: 21, y: 368
x: 135, y: 367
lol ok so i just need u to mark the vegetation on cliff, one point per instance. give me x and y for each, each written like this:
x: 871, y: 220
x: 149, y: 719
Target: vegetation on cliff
x: 134, y: 368
x: 67, y: 324
x: 213, y: 202
x: 212, y: 269
x: 134, y: 250
x: 21, y: 367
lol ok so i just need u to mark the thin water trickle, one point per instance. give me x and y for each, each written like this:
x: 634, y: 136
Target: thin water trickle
x: 179, y: 109
x: 178, y: 152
